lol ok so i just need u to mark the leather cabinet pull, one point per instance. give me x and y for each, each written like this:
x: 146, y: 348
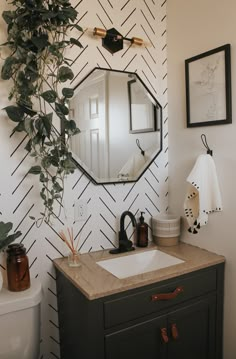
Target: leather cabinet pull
x: 167, y: 296
x: 164, y: 335
x: 174, y: 331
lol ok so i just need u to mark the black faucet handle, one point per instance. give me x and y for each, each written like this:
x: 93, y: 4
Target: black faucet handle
x: 125, y: 245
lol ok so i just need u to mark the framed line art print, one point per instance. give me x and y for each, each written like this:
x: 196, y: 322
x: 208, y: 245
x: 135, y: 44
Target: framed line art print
x: 208, y: 88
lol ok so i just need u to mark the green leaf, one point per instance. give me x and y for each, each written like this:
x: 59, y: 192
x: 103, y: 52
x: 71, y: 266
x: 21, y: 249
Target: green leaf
x: 67, y: 92
x: 27, y: 110
x: 28, y: 146
x: 33, y: 154
x: 31, y: 70
x: 64, y: 74
x: 54, y: 50
x: 61, y: 109
x: 15, y: 113
x: 70, y: 128
x: 40, y: 41
x: 9, y: 239
x: 44, y: 125
x: 50, y: 202
x: 69, y: 125
x: 49, y: 144
x: 8, y: 16
x: 64, y: 2
x: 47, y: 122
x: 8, y: 67
x: 25, y: 102
x: 35, y: 170
x: 20, y: 127
x: 6, y: 239
x: 55, y: 161
x: 46, y: 162
x: 31, y: 4
x: 43, y: 196
x: 49, y: 15
x: 8, y: 43
x: 38, y: 139
x: 42, y: 177
x: 49, y: 96
x: 76, y: 132
x: 29, y: 126
x: 57, y: 196
x: 4, y: 229
x: 57, y: 187
x: 76, y: 26
x: 70, y: 13
x: 75, y: 42
x: 68, y: 165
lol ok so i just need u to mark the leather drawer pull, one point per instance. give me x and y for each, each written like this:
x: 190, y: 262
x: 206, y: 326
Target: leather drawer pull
x: 174, y: 331
x: 164, y: 335
x: 167, y: 296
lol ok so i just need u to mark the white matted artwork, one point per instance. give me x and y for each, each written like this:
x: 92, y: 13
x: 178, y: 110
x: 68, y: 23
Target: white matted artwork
x: 208, y: 88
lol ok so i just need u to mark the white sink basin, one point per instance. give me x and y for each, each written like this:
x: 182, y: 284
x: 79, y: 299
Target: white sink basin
x: 138, y: 263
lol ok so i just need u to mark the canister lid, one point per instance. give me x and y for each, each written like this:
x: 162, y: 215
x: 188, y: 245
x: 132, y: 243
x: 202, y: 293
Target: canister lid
x: 14, y: 301
x: 166, y: 218
x: 16, y: 249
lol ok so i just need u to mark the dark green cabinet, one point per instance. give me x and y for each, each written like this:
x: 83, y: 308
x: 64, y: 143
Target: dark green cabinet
x: 179, y: 318
x: 186, y: 333
x: 194, y: 336
x: 139, y: 341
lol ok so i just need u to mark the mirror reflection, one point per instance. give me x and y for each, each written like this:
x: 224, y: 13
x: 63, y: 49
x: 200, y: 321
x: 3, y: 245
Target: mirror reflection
x: 120, y: 124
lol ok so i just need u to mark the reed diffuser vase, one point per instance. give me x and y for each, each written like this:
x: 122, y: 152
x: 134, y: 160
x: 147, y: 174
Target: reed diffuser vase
x: 73, y: 256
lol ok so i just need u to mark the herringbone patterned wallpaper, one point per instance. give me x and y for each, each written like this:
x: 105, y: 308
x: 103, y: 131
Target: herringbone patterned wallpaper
x: 19, y: 197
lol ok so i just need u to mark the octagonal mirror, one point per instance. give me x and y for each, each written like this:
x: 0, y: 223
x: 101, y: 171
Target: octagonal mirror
x: 120, y: 123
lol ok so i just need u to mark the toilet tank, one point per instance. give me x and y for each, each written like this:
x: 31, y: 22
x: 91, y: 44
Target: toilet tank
x: 20, y: 322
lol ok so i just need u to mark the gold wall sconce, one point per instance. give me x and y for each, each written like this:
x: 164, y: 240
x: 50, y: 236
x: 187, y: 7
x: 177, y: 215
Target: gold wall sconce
x: 112, y: 40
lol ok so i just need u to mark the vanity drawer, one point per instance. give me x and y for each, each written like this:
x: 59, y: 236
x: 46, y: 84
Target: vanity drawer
x: 159, y: 297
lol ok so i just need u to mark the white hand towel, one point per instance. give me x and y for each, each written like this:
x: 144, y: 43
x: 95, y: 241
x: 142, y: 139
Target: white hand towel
x: 132, y: 166
x: 203, y: 193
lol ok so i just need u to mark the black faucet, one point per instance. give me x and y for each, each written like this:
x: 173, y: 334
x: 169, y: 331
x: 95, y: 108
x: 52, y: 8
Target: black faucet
x: 125, y: 244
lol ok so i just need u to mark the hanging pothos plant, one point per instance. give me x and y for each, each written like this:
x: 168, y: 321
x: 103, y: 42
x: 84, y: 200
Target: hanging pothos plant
x: 37, y: 64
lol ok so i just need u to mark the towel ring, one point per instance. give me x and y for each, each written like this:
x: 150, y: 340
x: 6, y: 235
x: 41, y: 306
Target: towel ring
x: 204, y: 141
x: 138, y: 144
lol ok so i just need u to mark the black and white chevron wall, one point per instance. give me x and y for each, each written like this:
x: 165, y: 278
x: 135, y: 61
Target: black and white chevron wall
x: 19, y: 193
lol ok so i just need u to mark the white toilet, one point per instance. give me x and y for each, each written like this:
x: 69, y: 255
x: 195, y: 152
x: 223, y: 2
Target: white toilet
x: 20, y: 322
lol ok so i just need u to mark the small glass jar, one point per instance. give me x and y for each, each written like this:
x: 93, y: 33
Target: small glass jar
x: 17, y: 268
x: 74, y: 259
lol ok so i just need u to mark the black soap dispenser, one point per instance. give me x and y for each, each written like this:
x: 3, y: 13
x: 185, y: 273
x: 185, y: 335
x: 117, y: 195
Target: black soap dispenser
x: 142, y: 232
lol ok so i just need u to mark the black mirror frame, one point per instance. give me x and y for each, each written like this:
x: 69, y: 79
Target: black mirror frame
x: 158, y: 107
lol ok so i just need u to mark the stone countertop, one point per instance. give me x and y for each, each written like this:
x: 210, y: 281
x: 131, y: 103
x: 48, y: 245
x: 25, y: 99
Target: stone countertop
x: 95, y: 282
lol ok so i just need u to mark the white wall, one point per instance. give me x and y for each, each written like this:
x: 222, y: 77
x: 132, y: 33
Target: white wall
x: 19, y: 196
x: 193, y: 28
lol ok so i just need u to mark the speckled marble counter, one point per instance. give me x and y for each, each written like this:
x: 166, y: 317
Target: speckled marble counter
x: 95, y: 282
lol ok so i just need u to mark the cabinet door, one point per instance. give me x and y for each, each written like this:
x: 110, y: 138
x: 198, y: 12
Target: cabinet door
x: 139, y: 341
x: 192, y: 331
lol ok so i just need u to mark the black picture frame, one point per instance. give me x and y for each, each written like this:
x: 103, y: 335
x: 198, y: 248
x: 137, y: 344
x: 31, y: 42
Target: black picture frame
x: 208, y: 88
x: 153, y: 126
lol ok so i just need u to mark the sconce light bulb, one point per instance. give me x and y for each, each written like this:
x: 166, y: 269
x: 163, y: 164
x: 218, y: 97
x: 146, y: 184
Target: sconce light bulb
x: 99, y: 32
x: 137, y: 41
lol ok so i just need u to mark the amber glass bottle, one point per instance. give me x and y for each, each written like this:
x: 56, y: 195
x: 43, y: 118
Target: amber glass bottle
x: 17, y: 268
x: 142, y: 232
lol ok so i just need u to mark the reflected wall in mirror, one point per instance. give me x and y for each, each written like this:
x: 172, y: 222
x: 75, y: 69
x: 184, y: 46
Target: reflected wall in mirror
x: 106, y: 148
x: 143, y: 114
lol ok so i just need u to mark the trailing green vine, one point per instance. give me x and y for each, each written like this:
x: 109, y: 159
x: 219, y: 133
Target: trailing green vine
x: 38, y: 66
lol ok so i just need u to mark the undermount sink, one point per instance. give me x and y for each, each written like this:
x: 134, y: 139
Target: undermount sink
x: 138, y: 263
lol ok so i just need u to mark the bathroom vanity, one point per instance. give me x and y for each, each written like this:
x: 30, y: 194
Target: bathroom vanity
x: 170, y: 313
